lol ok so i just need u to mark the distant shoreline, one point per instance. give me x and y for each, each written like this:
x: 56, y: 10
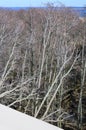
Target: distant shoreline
x: 80, y: 10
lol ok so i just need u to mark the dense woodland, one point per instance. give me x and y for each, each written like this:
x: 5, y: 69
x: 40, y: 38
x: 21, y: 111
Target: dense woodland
x: 43, y: 64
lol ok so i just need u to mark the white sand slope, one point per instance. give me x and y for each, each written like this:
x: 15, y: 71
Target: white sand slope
x: 13, y: 120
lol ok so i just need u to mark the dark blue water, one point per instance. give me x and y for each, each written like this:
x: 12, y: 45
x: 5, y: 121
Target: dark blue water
x: 80, y: 10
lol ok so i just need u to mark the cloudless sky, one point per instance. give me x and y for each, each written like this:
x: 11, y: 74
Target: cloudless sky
x: 38, y: 3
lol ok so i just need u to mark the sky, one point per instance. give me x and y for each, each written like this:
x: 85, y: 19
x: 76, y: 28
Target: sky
x: 38, y: 3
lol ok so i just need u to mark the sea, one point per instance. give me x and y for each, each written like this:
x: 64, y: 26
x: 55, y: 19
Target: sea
x: 80, y: 10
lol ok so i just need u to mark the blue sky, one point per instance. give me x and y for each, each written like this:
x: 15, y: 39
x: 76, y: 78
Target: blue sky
x: 37, y: 3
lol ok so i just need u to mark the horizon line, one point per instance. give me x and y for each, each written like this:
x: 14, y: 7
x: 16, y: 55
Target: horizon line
x: 37, y: 6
